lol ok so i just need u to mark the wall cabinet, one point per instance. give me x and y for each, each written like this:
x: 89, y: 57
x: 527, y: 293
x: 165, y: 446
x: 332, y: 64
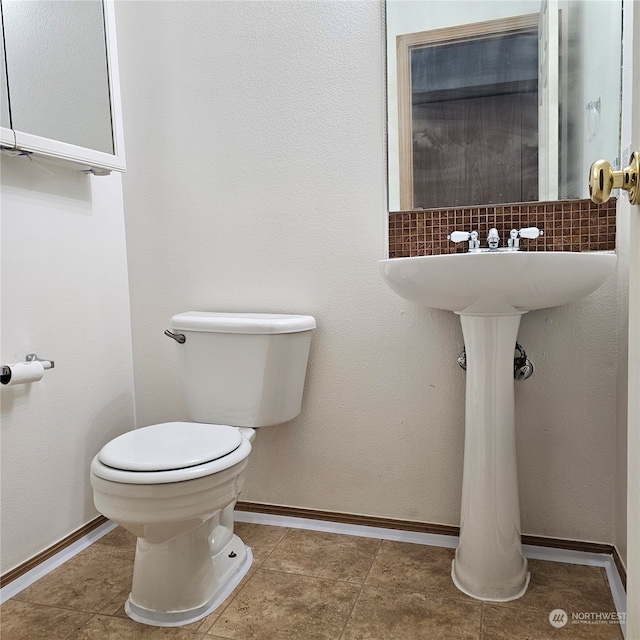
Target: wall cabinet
x: 60, y: 87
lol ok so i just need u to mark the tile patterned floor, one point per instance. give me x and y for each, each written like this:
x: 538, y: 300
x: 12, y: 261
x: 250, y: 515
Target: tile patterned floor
x: 308, y: 585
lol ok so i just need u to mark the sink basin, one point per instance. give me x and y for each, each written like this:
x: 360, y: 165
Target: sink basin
x: 497, y: 283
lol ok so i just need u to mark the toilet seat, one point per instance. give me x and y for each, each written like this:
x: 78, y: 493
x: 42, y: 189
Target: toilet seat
x: 169, y: 446
x: 170, y: 452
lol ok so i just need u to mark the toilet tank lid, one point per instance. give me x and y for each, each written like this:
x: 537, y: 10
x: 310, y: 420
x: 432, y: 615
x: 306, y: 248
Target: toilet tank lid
x: 265, y: 323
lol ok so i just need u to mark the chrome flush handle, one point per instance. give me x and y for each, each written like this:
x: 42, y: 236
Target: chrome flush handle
x: 178, y: 337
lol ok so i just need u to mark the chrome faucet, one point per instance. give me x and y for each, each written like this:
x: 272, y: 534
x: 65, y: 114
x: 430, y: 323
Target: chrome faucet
x: 493, y: 239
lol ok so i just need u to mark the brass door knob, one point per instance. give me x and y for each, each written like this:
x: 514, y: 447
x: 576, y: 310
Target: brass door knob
x: 603, y: 179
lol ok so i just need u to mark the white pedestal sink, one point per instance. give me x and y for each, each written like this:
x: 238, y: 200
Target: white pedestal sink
x: 490, y: 291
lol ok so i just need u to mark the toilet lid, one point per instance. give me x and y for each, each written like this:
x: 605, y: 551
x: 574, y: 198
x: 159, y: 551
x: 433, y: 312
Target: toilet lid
x: 170, y: 446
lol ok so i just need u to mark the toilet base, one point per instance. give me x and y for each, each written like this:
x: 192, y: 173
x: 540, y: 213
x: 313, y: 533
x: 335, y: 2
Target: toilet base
x: 228, y: 565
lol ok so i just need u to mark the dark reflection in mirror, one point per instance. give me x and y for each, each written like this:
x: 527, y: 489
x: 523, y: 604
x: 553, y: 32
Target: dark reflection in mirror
x: 474, y: 111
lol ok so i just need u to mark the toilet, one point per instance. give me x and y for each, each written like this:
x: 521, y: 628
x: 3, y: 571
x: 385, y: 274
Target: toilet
x: 174, y: 485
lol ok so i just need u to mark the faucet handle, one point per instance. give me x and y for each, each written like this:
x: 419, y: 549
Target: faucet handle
x: 530, y: 232
x: 462, y: 236
x: 526, y: 232
x: 459, y: 236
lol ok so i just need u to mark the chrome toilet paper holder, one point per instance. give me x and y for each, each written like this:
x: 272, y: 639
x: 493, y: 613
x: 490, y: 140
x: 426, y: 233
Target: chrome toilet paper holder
x: 46, y: 364
x: 30, y: 357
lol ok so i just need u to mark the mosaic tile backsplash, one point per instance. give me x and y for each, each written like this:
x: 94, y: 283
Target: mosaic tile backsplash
x: 572, y: 225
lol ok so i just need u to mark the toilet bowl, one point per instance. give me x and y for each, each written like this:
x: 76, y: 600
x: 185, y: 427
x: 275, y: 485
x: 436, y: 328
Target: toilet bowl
x: 174, y: 485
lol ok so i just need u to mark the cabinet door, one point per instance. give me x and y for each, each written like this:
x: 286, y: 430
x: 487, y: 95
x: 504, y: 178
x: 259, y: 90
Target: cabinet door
x: 6, y: 135
x: 61, y: 79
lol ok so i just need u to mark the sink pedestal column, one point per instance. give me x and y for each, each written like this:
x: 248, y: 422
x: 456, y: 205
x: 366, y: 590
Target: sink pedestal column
x: 489, y: 563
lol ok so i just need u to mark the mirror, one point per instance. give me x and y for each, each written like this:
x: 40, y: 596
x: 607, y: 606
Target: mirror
x: 492, y: 102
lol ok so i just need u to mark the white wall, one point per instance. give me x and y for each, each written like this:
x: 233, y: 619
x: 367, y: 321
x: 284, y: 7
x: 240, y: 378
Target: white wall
x: 64, y: 297
x: 256, y: 182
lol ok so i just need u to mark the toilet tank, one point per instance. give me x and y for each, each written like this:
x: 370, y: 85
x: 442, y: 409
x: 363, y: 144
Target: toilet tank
x: 243, y: 369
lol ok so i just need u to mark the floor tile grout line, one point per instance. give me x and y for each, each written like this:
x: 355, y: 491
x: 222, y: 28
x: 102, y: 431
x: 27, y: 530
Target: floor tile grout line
x: 58, y: 606
x: 348, y: 618
x: 312, y: 576
x: 375, y: 557
x: 362, y: 586
x: 229, y: 600
x: 481, y: 630
x: 517, y: 607
x: 234, y: 594
x: 51, y: 606
x: 373, y: 561
x: 206, y: 635
x: 276, y: 545
x: 210, y: 636
x: 308, y: 575
x: 261, y: 567
x: 433, y: 595
x: 75, y: 632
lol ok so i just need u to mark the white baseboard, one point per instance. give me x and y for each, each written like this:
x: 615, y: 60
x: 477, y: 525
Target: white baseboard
x: 364, y: 531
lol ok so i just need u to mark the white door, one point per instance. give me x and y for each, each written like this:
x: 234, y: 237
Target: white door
x: 633, y: 420
x: 548, y: 99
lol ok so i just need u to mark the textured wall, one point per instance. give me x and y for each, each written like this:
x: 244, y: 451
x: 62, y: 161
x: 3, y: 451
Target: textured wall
x: 256, y: 183
x: 64, y: 297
